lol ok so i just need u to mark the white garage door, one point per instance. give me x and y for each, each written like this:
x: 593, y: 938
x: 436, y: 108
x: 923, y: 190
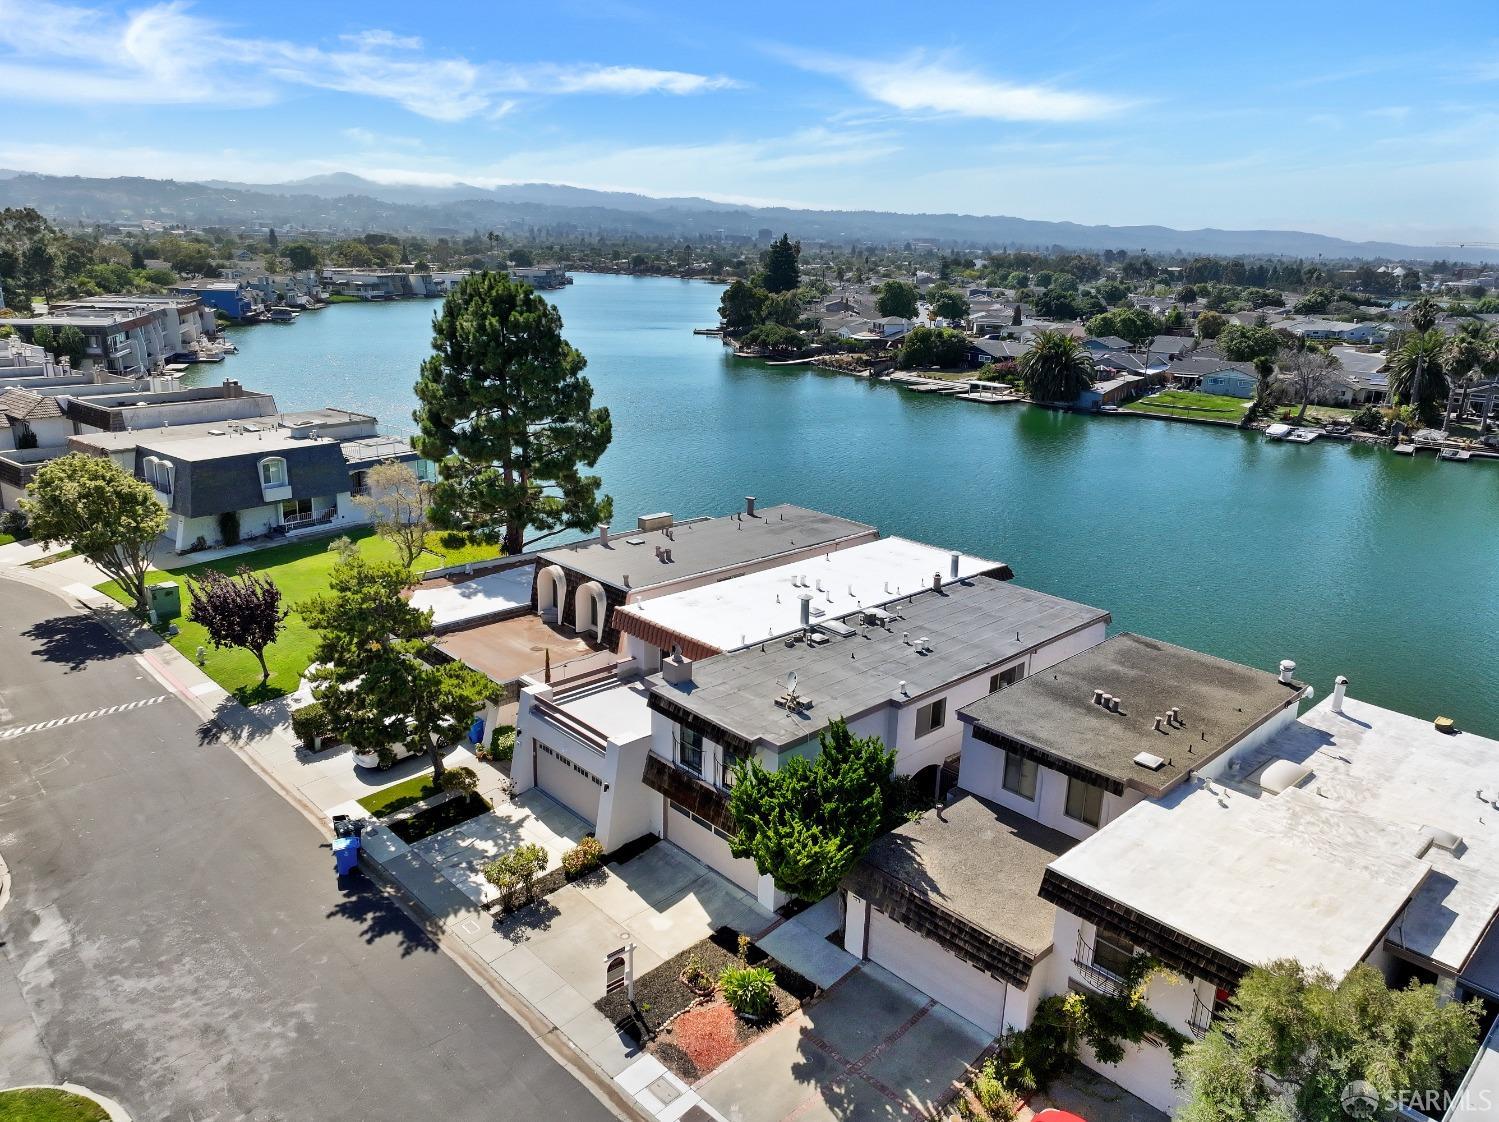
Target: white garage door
x: 570, y: 785
x: 709, y: 846
x: 966, y: 991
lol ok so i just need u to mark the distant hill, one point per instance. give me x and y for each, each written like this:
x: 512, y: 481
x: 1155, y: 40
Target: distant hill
x: 348, y: 203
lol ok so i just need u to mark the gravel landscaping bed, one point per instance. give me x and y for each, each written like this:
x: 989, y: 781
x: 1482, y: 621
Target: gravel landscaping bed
x: 689, y: 1033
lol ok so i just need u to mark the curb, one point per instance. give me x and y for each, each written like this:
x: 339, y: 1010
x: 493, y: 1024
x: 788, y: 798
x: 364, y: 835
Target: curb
x: 115, y: 1111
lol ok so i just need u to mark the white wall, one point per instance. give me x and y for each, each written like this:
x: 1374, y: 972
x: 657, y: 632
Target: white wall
x: 982, y: 772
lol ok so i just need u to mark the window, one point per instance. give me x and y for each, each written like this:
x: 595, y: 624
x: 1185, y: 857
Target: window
x: 1020, y: 775
x: 273, y: 472
x: 1007, y: 677
x: 359, y: 482
x: 1112, y: 953
x: 690, y: 750
x: 930, y: 718
x: 296, y: 510
x: 1084, y: 801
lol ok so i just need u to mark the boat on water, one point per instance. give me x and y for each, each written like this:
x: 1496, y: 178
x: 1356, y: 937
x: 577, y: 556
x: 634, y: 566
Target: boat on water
x: 1279, y: 431
x: 1457, y: 455
x: 283, y: 315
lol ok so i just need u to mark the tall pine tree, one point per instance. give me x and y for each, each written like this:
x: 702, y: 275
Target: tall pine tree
x: 782, y: 273
x: 509, y: 418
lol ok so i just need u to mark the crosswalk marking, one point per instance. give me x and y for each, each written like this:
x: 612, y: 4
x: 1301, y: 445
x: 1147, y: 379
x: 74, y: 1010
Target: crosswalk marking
x: 57, y: 722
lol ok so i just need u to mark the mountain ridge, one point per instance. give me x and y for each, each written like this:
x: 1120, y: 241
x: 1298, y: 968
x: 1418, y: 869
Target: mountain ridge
x: 343, y: 201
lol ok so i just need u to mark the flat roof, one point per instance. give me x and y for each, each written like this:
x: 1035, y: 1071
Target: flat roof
x: 765, y: 604
x: 1054, y: 713
x: 971, y: 626
x: 215, y: 446
x: 1330, y: 867
x: 155, y: 434
x: 704, y: 545
x: 981, y: 862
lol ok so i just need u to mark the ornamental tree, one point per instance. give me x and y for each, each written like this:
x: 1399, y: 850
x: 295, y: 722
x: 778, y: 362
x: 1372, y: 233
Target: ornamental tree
x: 1056, y: 368
x: 509, y: 418
x: 807, y: 823
x: 380, y: 679
x: 243, y: 610
x: 97, y: 509
x: 399, y: 503
x: 1292, y: 1040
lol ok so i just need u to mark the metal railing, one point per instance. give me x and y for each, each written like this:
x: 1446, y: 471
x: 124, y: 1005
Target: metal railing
x: 580, y: 731
x: 1202, y: 1017
x: 1102, y: 980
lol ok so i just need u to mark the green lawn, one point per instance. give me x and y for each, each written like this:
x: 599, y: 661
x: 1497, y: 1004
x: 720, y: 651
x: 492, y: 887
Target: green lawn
x: 399, y: 797
x: 300, y: 569
x: 48, y: 1104
x: 6, y: 539
x: 1185, y: 403
x: 51, y: 559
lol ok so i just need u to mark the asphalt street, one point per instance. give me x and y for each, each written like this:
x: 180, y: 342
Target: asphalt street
x: 176, y: 938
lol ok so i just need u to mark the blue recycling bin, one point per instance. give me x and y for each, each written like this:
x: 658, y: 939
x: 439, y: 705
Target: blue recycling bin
x: 345, y: 855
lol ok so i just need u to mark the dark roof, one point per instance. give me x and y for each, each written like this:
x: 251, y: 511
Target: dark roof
x: 27, y: 406
x: 1209, y: 365
x: 1051, y: 717
x: 207, y: 485
x: 978, y: 862
x: 703, y: 546
x: 972, y: 626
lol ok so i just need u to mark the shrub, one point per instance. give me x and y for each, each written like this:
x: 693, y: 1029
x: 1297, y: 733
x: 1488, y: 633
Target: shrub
x: 516, y: 869
x: 998, y: 1101
x: 501, y: 744
x: 229, y: 527
x: 584, y: 857
x: 453, y: 539
x: 749, y: 990
x: 1369, y: 418
x: 14, y: 523
x: 459, y: 779
x: 310, y: 722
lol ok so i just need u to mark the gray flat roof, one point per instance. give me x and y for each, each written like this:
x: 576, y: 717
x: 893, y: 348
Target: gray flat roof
x: 972, y: 625
x: 980, y: 861
x: 703, y: 546
x: 225, y: 443
x: 1053, y: 711
x: 156, y: 434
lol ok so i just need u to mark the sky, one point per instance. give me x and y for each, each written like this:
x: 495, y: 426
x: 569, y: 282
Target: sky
x: 1372, y: 120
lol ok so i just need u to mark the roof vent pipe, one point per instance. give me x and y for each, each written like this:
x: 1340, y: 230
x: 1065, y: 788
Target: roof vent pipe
x: 952, y: 564
x: 603, y: 533
x: 749, y: 505
x: 1287, y: 668
x: 1098, y: 697
x: 1114, y: 703
x: 806, y: 609
x: 1339, y: 692
x: 666, y: 556
x: 1158, y: 722
x: 936, y: 582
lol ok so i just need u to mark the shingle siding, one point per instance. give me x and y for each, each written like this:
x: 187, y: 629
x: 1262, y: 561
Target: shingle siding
x: 210, y: 487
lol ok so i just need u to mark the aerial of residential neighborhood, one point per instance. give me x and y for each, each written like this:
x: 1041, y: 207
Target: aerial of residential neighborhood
x: 584, y: 567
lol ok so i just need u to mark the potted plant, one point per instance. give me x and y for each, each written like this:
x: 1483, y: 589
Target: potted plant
x: 696, y: 977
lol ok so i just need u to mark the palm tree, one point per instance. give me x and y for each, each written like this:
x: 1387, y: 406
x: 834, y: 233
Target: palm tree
x: 1057, y: 368
x: 1423, y: 313
x: 1462, y: 357
x: 1416, y: 373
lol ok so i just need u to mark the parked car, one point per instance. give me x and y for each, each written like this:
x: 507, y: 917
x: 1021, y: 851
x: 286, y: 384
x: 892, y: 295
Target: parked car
x: 394, y: 754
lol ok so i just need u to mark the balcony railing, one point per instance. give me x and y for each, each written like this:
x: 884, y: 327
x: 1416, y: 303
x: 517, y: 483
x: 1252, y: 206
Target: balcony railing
x: 1102, y: 980
x: 580, y: 731
x: 303, y: 521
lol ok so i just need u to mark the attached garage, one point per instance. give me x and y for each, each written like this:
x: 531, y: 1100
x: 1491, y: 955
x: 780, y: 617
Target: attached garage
x: 697, y: 837
x: 964, y: 989
x: 570, y: 784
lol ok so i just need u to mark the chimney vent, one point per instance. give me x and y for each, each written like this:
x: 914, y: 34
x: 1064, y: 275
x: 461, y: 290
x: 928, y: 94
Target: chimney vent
x: 936, y: 582
x: 953, y: 559
x: 1098, y: 697
x: 749, y: 506
x: 806, y: 609
x: 1287, y: 668
x: 603, y: 533
x: 1339, y: 692
x: 1158, y: 722
x: 666, y: 556
x: 1114, y: 703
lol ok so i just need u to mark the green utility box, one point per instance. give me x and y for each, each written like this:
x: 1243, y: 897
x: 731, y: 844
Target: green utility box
x: 166, y: 600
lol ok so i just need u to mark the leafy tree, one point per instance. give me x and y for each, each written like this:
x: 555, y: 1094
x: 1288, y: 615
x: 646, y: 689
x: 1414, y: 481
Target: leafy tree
x: 782, y: 273
x: 100, y: 510
x: 941, y: 347
x: 379, y: 678
x: 807, y: 823
x: 1210, y: 325
x: 399, y: 505
x: 949, y: 304
x: 897, y: 298
x: 509, y: 418
x: 301, y: 256
x: 784, y: 308
x: 28, y: 262
x: 740, y: 306
x: 71, y: 344
x: 1312, y: 1037
x: 515, y: 869
x: 1111, y: 292
x: 521, y: 258
x: 1057, y: 304
x: 1056, y: 368
x: 1316, y: 302
x: 1417, y: 375
x: 774, y: 337
x: 43, y: 336
x: 1133, y: 324
x: 239, y: 611
x: 1241, y: 342
x: 1188, y: 294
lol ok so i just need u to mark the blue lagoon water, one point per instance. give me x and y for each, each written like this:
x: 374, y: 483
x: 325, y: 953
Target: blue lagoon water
x: 1346, y: 559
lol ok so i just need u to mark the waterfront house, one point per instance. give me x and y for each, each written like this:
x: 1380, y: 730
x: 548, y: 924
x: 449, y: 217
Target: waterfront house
x: 1111, y: 391
x: 1322, y: 330
x: 1213, y: 375
x: 235, y: 300
x: 128, y: 335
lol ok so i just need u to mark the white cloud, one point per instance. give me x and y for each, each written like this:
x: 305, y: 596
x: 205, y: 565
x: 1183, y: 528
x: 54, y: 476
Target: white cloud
x: 164, y: 54
x: 925, y: 83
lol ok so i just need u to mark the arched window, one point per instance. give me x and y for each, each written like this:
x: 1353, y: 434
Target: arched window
x: 273, y: 472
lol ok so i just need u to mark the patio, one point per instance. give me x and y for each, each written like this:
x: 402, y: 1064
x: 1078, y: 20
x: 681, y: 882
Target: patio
x: 509, y: 648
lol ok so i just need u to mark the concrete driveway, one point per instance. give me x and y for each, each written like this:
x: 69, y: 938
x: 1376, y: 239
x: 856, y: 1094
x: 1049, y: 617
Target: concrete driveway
x: 871, y: 1048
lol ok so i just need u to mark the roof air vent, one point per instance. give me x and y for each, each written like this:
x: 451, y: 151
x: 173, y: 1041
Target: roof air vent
x: 1150, y: 761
